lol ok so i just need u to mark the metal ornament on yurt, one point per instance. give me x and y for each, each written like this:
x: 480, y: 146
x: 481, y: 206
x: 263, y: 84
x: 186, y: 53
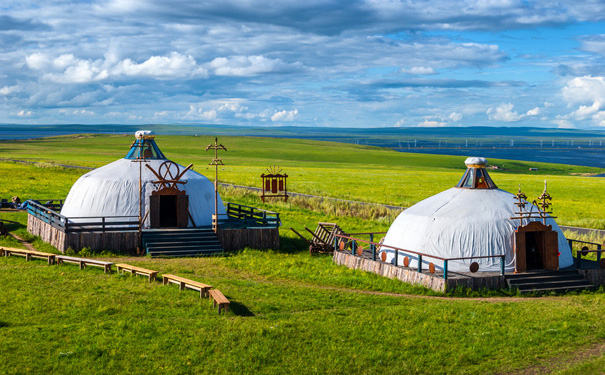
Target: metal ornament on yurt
x: 216, y: 162
x: 274, y: 184
x: 169, y: 206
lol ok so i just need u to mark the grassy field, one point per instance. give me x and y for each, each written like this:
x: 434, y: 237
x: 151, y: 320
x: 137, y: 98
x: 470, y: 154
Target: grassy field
x: 291, y: 313
x: 337, y: 170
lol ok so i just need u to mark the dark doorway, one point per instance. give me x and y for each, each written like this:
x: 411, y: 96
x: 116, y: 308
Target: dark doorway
x: 168, y: 211
x: 533, y: 246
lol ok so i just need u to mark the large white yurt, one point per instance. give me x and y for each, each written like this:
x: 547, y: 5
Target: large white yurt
x: 475, y: 219
x: 112, y: 191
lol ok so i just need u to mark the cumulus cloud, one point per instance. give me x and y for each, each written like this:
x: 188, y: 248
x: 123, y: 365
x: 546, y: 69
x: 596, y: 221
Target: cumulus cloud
x: 246, y: 66
x: 505, y: 112
x: 420, y: 70
x: 24, y: 113
x: 67, y: 68
x: 431, y: 124
x: 284, y: 115
x: 7, y: 90
x: 400, y: 123
x: 455, y: 116
x: 175, y: 65
x: 587, y: 95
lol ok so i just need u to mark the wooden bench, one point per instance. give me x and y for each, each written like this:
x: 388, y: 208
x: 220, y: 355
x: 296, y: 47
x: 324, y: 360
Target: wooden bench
x: 28, y: 254
x: 218, y: 298
x: 137, y: 271
x: 83, y: 262
x: 186, y: 283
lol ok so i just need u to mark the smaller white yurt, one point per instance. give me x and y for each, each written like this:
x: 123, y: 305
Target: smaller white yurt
x: 112, y: 191
x: 476, y: 219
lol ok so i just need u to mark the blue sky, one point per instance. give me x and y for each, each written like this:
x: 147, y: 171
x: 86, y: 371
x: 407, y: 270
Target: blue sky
x: 373, y: 63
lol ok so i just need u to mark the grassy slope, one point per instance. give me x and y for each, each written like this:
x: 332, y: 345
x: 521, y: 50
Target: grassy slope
x: 66, y: 320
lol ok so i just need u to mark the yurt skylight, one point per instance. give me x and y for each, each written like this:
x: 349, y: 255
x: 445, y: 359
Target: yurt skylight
x: 476, y: 176
x: 144, y: 146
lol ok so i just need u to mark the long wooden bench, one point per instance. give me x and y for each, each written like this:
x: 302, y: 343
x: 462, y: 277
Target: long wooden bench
x: 137, y: 271
x: 28, y: 254
x: 218, y: 298
x: 186, y: 283
x: 83, y: 262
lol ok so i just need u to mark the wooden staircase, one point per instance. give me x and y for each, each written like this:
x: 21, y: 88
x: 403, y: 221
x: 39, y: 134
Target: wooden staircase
x: 193, y: 242
x: 541, y: 281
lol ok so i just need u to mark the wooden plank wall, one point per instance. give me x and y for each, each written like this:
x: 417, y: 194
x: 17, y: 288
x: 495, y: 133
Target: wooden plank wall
x: 256, y: 238
x: 413, y: 277
x: 124, y: 242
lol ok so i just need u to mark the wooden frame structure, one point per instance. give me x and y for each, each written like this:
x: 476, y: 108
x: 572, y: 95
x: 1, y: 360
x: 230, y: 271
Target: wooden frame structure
x: 274, y: 184
x: 322, y: 240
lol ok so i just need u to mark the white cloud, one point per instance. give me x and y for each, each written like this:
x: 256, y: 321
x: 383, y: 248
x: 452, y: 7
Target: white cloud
x: 588, y: 94
x: 563, y: 123
x: 420, y: 70
x: 455, y: 116
x: 175, y: 65
x: 213, y: 109
x: 284, y: 115
x: 24, y: 113
x: 37, y: 61
x: 431, y: 124
x: 246, y: 66
x: 160, y: 114
x: 7, y: 90
x: 68, y: 69
x: 533, y: 112
x: 400, y: 123
x: 504, y: 112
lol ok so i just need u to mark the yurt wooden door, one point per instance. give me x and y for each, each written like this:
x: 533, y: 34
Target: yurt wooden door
x: 536, y: 247
x: 168, y: 211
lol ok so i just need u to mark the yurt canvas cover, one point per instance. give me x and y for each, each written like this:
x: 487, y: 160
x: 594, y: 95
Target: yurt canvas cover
x: 464, y: 222
x: 113, y: 190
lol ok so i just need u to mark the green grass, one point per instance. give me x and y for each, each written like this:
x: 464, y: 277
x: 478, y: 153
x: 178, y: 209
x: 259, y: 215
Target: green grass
x: 291, y: 312
x: 362, y: 173
x: 62, y: 320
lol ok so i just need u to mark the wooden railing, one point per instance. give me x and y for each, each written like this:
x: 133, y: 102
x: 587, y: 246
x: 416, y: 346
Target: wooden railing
x: 247, y: 216
x: 82, y: 224
x: 582, y: 252
x: 373, y: 245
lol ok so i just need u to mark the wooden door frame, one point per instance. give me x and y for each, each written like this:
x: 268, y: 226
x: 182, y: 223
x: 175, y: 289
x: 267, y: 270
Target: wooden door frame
x: 548, y: 248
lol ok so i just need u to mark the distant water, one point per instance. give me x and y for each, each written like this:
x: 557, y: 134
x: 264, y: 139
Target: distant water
x: 19, y: 134
x: 588, y: 157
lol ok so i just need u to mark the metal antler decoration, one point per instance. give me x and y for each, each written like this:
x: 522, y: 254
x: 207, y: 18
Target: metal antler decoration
x: 169, y: 175
x: 216, y: 162
x: 544, y: 204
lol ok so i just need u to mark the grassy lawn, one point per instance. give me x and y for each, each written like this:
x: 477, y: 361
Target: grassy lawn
x: 290, y: 312
x: 304, y: 318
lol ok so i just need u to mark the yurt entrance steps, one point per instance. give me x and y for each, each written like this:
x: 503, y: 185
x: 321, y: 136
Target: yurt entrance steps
x: 181, y: 243
x: 547, y: 281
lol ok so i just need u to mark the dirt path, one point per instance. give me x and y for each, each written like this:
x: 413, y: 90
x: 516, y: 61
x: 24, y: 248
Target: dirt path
x: 23, y: 242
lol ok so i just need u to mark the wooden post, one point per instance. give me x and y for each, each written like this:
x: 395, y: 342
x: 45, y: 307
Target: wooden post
x: 419, y: 263
x: 372, y: 246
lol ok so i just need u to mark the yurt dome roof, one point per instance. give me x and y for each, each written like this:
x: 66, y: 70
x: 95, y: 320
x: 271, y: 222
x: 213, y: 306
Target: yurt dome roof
x: 465, y: 221
x: 113, y: 190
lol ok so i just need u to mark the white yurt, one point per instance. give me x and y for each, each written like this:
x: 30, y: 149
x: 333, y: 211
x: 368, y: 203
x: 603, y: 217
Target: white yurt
x: 112, y: 191
x: 473, y: 219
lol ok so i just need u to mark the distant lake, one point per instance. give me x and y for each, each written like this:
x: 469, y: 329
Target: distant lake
x: 589, y: 157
